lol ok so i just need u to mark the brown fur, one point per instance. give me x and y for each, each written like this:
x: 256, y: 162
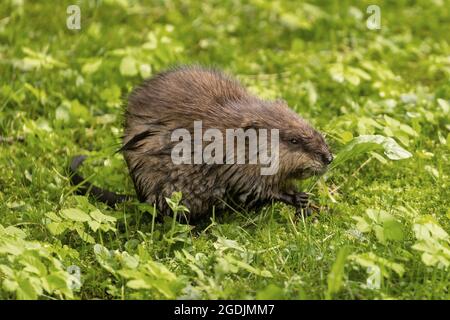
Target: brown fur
x: 175, y: 99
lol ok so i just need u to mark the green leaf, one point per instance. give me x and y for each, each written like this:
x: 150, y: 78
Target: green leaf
x: 426, y: 228
x: 112, y: 95
x: 94, y: 225
x: 15, y: 232
x: 75, y: 215
x: 370, y: 259
x: 84, y: 236
x: 62, y: 114
x: 408, y: 130
x: 26, y: 290
x: 53, y: 216
x: 379, y: 233
x: 91, y: 66
x: 145, y: 70
x: 346, y: 136
x: 100, y: 217
x: 379, y: 216
x: 56, y: 228
x: 128, y: 66
x: 56, y: 281
x: 366, y: 143
x: 444, y: 104
x: 393, y: 230
x: 138, y: 284
x: 79, y: 111
x: 362, y: 224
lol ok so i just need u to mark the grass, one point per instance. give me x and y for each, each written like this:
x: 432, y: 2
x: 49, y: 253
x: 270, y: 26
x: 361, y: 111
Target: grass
x: 383, y: 229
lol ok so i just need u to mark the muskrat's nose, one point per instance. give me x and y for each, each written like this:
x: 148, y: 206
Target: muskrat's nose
x: 327, y: 158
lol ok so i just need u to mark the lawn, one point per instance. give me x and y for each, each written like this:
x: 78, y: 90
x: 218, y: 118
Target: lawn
x: 381, y: 95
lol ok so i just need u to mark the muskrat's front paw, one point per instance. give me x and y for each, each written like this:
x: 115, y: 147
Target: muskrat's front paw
x: 301, y: 200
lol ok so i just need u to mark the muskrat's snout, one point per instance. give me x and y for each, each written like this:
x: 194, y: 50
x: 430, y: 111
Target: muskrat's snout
x: 327, y: 158
x: 325, y: 155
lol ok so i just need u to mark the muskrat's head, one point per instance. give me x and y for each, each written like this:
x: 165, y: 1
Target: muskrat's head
x: 303, y: 151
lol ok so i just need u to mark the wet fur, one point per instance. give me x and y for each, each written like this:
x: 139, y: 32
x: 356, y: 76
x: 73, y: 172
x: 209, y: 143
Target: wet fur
x: 178, y: 97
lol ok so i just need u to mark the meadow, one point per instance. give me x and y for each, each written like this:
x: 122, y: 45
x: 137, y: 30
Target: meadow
x: 380, y: 94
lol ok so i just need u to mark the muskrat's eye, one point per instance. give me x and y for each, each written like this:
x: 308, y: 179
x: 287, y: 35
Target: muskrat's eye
x: 293, y: 141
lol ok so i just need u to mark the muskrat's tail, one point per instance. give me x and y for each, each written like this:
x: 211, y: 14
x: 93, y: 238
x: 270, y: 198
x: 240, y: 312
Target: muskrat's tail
x: 85, y: 187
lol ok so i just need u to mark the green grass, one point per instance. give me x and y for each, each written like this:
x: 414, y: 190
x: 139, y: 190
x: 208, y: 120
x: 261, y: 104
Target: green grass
x: 383, y: 228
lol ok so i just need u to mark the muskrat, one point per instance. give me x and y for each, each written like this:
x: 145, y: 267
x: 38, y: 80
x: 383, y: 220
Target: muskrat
x: 175, y: 99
